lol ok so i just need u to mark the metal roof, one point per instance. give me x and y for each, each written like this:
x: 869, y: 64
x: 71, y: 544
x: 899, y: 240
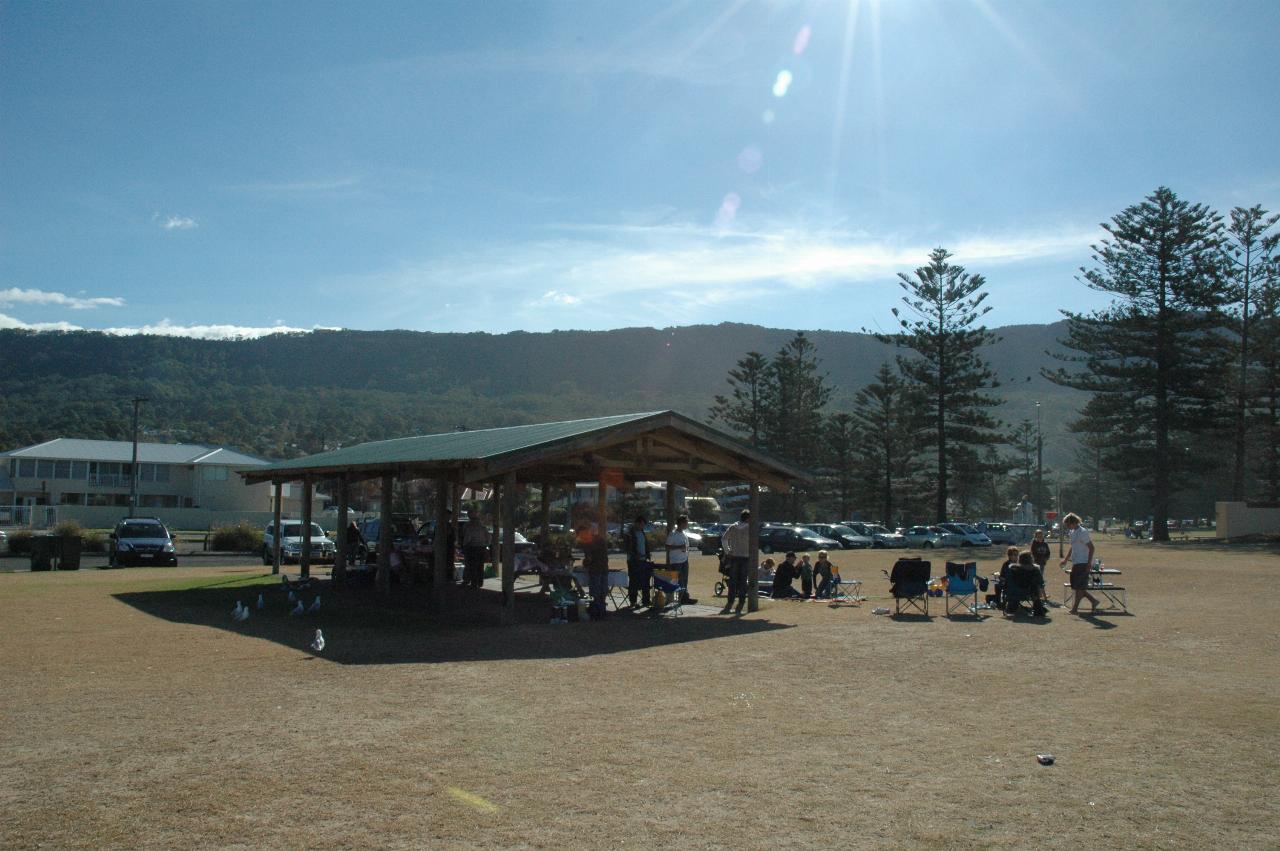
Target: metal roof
x: 77, y: 449
x: 481, y: 455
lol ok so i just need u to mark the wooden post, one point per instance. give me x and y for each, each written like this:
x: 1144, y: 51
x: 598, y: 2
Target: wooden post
x: 670, y: 507
x: 544, y: 514
x: 495, y: 497
x: 753, y: 561
x: 340, y: 557
x: 383, y: 577
x: 304, y: 558
x: 275, y: 545
x: 602, y: 509
x: 508, y: 549
x: 443, y: 562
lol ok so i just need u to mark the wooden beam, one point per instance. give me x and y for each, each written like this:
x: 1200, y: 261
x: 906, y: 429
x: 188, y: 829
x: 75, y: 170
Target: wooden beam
x: 442, y: 569
x: 753, y: 559
x: 745, y: 469
x: 275, y: 544
x: 304, y: 558
x: 382, y: 579
x: 340, y: 557
x: 509, y: 550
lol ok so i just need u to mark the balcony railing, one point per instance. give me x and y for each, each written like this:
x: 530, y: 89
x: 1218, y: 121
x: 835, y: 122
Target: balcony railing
x: 110, y: 480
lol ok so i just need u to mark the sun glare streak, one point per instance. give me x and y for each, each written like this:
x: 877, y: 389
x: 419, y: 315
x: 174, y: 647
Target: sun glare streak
x: 782, y: 83
x: 714, y: 27
x: 842, y: 93
x: 1028, y: 55
x: 877, y: 90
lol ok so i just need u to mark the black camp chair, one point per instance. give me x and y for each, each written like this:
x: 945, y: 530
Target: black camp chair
x: 1023, y: 584
x: 909, y: 585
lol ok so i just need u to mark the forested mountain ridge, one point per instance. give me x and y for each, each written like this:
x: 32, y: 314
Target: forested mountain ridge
x: 289, y: 394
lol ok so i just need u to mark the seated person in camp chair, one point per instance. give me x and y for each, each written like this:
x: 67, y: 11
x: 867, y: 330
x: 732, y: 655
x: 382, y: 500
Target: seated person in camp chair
x: 1024, y: 584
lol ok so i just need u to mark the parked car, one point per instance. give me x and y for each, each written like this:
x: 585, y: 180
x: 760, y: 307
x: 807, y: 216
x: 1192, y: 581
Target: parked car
x: 711, y: 534
x: 322, y: 549
x: 404, y: 535
x: 969, y: 536
x: 1003, y: 533
x: 924, y: 537
x: 141, y: 540
x: 780, y: 539
x: 523, y: 545
x: 881, y: 538
x: 848, y: 538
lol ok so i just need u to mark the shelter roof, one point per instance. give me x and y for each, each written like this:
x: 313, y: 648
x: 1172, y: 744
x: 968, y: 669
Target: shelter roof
x: 662, y: 445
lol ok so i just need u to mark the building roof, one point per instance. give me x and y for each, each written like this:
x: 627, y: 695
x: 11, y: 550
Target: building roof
x: 657, y: 445
x: 77, y: 449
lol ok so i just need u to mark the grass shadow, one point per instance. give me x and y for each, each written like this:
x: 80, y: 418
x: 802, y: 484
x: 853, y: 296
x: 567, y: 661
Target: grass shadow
x: 362, y: 628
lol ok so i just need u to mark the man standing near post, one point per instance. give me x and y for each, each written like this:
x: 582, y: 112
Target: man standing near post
x: 637, y: 549
x: 475, y: 547
x: 678, y: 555
x: 736, y: 543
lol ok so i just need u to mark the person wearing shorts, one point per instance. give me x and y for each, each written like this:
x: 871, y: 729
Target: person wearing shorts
x: 1080, y: 557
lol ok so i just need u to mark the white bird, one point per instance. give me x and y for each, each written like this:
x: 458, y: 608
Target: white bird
x: 244, y: 614
x: 317, y: 643
x: 315, y: 606
x: 298, y: 609
x: 235, y: 613
x: 292, y: 596
x: 261, y: 602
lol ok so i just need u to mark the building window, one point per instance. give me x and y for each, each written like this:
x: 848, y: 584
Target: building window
x: 27, y: 468
x: 162, y: 472
x: 72, y: 499
x: 44, y: 469
x: 215, y: 474
x: 79, y: 470
x: 62, y: 469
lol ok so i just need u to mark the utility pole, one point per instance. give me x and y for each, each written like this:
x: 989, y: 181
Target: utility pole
x: 1039, y: 469
x: 133, y: 473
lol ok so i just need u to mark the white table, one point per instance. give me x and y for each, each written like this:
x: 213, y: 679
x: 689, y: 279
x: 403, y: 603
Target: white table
x: 1098, y: 582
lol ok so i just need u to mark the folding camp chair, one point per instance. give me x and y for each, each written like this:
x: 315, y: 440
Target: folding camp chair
x: 671, y: 590
x: 962, y: 585
x: 846, y: 590
x: 909, y: 585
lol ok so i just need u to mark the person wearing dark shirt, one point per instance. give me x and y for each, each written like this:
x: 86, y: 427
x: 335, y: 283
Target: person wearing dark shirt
x: 823, y: 573
x: 1040, y: 550
x: 787, y: 573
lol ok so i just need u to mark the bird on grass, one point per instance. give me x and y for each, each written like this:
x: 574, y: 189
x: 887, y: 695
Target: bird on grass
x: 315, y: 606
x: 235, y: 613
x: 317, y: 643
x: 244, y: 614
x: 261, y: 602
x: 298, y: 609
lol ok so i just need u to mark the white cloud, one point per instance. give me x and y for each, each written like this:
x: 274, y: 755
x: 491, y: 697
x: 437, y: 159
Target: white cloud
x: 177, y: 222
x: 557, y: 297
x: 14, y: 295
x: 164, y: 328
x: 10, y: 322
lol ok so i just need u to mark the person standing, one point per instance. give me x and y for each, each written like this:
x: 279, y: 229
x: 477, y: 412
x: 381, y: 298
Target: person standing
x: 1081, y: 560
x: 595, y: 560
x: 1040, y: 551
x: 736, y: 542
x: 475, y: 547
x: 806, y: 577
x: 636, y: 546
x: 678, y: 555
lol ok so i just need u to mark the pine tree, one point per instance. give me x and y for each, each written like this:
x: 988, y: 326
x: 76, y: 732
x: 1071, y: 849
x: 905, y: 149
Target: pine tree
x: 843, y: 446
x: 1251, y: 265
x: 796, y: 395
x: 746, y: 407
x: 888, y: 427
x: 1155, y: 358
x: 946, y: 373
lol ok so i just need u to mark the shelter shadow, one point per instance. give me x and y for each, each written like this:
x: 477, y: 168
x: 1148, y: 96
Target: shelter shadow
x: 361, y: 629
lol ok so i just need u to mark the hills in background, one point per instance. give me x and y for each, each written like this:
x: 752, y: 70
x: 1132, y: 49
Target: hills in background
x: 290, y: 394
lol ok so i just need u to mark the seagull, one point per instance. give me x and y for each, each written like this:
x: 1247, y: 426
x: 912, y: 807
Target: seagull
x: 315, y: 606
x: 244, y: 614
x: 261, y: 602
x: 292, y: 596
x: 317, y: 643
x: 235, y: 613
x: 297, y: 610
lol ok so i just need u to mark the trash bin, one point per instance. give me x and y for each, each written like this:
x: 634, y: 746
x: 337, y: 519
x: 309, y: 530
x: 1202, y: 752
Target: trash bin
x: 42, y: 552
x: 69, y: 552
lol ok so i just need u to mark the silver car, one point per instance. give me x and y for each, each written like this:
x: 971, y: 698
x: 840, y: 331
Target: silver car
x: 924, y: 537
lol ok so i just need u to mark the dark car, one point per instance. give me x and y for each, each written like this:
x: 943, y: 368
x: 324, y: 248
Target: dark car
x: 848, y: 538
x: 780, y: 539
x: 404, y: 535
x: 141, y: 540
x: 711, y: 535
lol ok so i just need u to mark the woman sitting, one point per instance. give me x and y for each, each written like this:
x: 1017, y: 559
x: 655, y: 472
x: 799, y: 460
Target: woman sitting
x: 1023, y: 582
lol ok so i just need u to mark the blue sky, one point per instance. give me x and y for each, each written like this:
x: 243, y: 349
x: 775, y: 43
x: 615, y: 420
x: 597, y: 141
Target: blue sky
x: 222, y: 168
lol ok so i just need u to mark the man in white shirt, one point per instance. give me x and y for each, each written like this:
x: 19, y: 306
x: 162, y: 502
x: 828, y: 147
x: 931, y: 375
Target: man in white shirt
x: 678, y: 555
x: 736, y: 543
x: 1081, y: 558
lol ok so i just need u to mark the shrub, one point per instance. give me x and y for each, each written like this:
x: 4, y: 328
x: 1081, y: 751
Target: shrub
x: 68, y: 529
x: 94, y: 542
x: 242, y: 537
x: 20, y: 542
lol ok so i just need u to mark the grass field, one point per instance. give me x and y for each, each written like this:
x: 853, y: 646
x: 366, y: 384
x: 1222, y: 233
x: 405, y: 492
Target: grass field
x: 137, y: 714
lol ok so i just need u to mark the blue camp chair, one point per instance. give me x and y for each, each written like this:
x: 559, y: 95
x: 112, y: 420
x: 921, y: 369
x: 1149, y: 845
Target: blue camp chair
x: 962, y: 586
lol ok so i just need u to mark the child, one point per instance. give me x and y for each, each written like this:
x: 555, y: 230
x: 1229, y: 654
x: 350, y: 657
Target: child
x: 766, y: 571
x: 1010, y: 561
x: 806, y: 577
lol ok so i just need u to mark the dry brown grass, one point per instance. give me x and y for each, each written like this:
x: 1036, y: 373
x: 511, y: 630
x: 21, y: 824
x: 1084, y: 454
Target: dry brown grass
x: 136, y: 714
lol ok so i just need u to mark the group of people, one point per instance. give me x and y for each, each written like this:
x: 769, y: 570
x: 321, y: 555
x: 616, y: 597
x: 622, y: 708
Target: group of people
x: 1021, y: 577
x: 817, y: 579
x: 640, y: 564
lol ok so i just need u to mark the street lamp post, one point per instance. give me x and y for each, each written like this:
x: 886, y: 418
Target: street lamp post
x: 133, y: 472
